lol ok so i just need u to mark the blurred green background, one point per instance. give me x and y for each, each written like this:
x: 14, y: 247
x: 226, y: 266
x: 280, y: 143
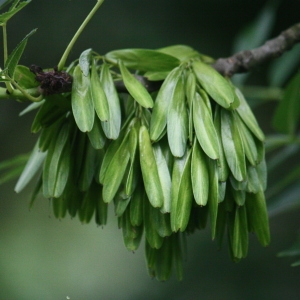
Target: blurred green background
x: 43, y: 258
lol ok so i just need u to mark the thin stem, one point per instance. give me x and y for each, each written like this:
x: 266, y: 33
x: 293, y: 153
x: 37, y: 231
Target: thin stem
x: 63, y: 59
x: 4, y: 42
x: 5, y: 52
x: 28, y: 96
x: 16, y: 94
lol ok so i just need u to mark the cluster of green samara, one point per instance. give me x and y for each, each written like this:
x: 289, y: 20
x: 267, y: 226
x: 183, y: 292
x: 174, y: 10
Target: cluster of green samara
x: 169, y: 159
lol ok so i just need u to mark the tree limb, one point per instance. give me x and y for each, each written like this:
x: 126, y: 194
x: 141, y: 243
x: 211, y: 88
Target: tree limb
x: 243, y: 61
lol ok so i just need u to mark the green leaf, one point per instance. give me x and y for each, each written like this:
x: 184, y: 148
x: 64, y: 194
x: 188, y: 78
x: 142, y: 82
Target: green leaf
x: 248, y: 142
x: 115, y: 171
x: 13, y: 59
x: 216, y: 86
x: 191, y: 124
x: 178, y: 242
x: 253, y: 182
x: 136, y: 207
x: 239, y: 196
x: 121, y: 202
x: 161, y: 107
x: 88, y: 168
x: 156, y: 76
x: 185, y: 196
x: 134, y: 167
x: 131, y: 234
x: 59, y: 206
x: 164, y: 176
x: 52, y: 109
x: 221, y: 190
x: 82, y: 103
x: 96, y: 135
x: 262, y: 171
x: 31, y: 107
x: 85, y: 61
x: 15, y: 7
x: 87, y: 207
x: 221, y: 224
x: 240, y: 233
x: 74, y: 195
x: 200, y: 176
x: 101, y: 211
x: 213, y: 196
x: 236, y: 101
x: 177, y: 121
x: 81, y: 142
x: 178, y: 167
x: 32, y: 167
x: 112, y: 127
x: 37, y: 189
x: 49, y: 134
x: 233, y: 146
x: 222, y: 163
x: 57, y: 164
x: 181, y: 52
x: 152, y: 237
x: 164, y: 261
x: 287, y: 115
x: 135, y: 88
x: 143, y: 59
x: 98, y: 96
x: 63, y: 171
x: 237, y: 185
x: 149, y: 169
x: 247, y: 116
x: 190, y: 88
x: 204, y: 128
x: 25, y: 78
x: 109, y: 154
x: 161, y: 222
x: 164, y: 145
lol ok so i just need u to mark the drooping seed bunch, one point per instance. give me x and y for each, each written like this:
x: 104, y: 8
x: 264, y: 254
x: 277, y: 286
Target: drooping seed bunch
x: 169, y: 160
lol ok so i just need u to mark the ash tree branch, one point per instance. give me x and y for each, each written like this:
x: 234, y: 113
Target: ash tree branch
x: 243, y: 61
